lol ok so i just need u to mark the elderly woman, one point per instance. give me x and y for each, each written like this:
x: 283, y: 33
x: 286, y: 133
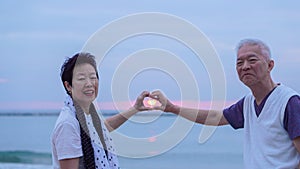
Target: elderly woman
x: 80, y: 138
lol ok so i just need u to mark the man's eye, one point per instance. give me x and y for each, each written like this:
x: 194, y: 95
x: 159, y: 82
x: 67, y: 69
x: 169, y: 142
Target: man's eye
x: 93, y: 77
x: 253, y: 60
x: 239, y: 63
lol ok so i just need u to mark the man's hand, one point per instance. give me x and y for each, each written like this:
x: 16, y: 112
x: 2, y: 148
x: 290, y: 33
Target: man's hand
x: 166, y: 105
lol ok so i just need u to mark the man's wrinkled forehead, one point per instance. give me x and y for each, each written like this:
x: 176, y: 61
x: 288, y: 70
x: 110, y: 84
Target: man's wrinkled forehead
x: 251, y: 50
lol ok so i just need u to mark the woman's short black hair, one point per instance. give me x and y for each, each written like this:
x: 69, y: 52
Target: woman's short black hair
x: 68, y: 66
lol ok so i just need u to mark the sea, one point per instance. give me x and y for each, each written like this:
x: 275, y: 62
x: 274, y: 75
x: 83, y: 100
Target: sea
x: 25, y: 142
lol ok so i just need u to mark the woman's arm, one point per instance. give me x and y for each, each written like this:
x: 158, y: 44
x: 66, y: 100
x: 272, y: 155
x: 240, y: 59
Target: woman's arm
x: 117, y: 120
x: 72, y: 163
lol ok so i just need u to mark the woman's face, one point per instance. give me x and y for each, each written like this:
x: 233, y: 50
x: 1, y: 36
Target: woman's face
x: 85, y: 83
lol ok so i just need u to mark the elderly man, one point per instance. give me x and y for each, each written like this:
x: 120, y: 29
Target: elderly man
x: 270, y: 114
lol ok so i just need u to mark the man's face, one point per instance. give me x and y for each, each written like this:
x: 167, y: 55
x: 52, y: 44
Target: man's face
x: 252, y: 66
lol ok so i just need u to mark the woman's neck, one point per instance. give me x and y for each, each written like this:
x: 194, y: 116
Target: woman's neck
x: 85, y: 108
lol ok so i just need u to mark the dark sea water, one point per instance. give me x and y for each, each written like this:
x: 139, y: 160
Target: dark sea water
x: 25, y: 143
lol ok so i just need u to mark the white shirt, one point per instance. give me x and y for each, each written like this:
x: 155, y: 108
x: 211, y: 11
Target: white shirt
x: 65, y: 139
x: 267, y: 144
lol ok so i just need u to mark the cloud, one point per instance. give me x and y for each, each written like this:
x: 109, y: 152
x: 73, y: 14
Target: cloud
x: 30, y: 105
x: 289, y: 57
x: 3, y: 80
x: 44, y: 35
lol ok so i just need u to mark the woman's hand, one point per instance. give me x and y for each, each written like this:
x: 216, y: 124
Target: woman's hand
x: 139, y: 103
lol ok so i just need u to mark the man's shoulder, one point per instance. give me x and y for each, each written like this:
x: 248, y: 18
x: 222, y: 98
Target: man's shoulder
x: 287, y: 90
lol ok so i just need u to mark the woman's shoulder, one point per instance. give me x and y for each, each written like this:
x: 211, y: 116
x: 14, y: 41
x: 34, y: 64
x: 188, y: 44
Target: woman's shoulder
x: 66, y: 127
x: 67, y: 118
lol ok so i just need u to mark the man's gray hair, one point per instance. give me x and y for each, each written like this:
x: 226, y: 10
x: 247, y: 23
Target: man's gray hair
x: 255, y: 42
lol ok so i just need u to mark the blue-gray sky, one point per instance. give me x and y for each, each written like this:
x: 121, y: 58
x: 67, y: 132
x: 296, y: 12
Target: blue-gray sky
x: 36, y: 36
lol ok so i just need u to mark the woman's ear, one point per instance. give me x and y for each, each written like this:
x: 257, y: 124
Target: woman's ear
x: 68, y: 87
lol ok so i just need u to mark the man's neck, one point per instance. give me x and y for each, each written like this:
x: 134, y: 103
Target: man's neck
x: 261, y: 91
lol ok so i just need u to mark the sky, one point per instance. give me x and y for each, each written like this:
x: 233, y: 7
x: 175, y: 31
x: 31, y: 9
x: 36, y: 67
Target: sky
x: 37, y: 36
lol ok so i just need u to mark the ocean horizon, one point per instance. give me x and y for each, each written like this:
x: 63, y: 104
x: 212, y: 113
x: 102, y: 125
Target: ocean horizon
x: 26, y: 144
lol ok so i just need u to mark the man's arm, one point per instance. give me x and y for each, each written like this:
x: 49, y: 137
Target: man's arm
x: 207, y: 117
x: 296, y: 142
x: 292, y: 121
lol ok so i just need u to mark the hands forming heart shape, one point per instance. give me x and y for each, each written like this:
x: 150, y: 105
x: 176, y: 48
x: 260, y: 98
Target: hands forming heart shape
x: 151, y: 101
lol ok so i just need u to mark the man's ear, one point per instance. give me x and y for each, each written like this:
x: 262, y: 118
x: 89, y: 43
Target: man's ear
x: 68, y: 86
x: 271, y: 65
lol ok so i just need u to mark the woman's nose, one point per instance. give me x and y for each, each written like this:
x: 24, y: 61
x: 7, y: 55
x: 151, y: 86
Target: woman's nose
x: 89, y: 83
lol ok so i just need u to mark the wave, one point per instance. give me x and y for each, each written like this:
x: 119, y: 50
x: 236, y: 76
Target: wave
x: 24, y: 157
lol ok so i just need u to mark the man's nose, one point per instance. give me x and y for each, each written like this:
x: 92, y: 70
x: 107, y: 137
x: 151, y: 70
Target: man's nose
x: 246, y: 65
